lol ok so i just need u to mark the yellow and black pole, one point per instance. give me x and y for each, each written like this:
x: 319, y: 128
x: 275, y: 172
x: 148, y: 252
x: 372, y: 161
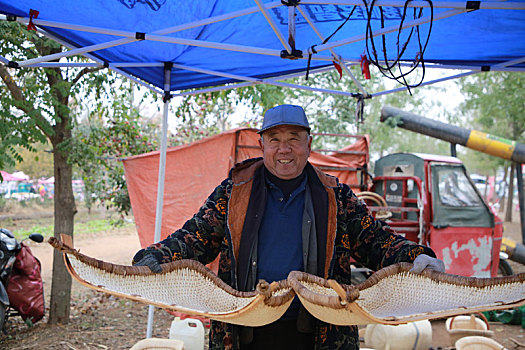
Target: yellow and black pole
x: 514, y: 250
x: 477, y: 140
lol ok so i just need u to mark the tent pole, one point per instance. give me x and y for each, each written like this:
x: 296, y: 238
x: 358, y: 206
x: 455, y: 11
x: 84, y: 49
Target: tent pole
x: 308, y: 88
x: 65, y: 65
x: 73, y: 52
x: 336, y: 56
x: 91, y: 57
x: 463, y: 67
x: 219, y: 18
x: 521, y: 199
x: 261, y: 81
x: 138, y: 81
x: 162, y: 173
x: 272, y: 23
x: 100, y: 46
x: 130, y: 37
x: 496, y: 66
x: 484, y: 5
x: 461, y: 75
x: 394, y: 28
x: 268, y: 82
x: 240, y: 85
x: 214, y: 45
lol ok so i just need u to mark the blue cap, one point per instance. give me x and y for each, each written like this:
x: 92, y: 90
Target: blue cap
x: 284, y: 115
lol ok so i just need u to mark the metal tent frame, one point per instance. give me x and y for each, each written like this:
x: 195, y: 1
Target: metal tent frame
x: 454, y: 9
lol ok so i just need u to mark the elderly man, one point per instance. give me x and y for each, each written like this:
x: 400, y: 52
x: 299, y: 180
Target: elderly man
x: 276, y: 214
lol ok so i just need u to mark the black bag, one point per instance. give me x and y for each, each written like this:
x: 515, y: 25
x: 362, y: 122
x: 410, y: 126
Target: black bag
x: 9, y: 247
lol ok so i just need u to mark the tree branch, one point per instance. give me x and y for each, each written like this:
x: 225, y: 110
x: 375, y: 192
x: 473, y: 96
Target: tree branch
x: 16, y: 92
x: 84, y: 72
x: 18, y: 95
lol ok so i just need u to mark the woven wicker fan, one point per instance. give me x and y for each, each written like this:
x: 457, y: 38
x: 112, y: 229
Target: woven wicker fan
x: 390, y: 296
x: 186, y: 286
x: 394, y: 296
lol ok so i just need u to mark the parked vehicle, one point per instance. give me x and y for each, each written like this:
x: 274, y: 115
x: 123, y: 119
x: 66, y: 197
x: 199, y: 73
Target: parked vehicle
x: 432, y: 201
x: 480, y: 182
x: 21, y: 287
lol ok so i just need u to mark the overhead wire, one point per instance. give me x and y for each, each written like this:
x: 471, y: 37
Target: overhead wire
x: 360, y: 103
x: 326, y: 40
x: 387, y: 69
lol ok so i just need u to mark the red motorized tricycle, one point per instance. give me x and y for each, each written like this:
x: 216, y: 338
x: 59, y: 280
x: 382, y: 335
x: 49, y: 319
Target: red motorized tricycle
x: 431, y: 200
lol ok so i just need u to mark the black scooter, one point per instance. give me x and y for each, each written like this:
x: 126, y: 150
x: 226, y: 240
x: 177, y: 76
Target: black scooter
x: 21, y: 290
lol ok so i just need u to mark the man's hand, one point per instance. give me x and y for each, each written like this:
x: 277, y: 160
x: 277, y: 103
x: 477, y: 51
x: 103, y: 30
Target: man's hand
x: 150, y: 261
x: 424, y: 261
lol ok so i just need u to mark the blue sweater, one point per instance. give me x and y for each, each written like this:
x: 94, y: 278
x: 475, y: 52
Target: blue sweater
x: 280, y: 245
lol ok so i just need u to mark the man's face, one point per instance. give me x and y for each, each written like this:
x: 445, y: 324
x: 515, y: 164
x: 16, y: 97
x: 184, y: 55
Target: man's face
x: 286, y: 149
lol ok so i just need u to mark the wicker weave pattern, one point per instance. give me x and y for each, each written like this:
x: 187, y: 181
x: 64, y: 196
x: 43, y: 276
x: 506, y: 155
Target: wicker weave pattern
x: 417, y: 294
x: 185, y: 286
x: 170, y: 288
x: 393, y: 296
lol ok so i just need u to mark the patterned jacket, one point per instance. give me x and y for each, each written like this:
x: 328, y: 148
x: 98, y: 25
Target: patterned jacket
x: 225, y: 225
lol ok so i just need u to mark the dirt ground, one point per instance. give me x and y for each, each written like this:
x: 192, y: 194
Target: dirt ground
x: 99, y: 321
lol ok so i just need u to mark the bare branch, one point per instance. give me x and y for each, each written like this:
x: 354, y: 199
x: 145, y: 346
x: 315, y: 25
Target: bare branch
x: 84, y: 72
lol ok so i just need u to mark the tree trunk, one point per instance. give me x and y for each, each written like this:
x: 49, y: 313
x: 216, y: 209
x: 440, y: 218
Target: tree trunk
x: 510, y: 194
x: 65, y: 210
x: 502, y: 199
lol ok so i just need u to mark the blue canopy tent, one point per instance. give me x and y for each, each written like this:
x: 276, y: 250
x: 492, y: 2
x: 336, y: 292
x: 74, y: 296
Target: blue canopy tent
x: 212, y: 43
x: 172, y: 46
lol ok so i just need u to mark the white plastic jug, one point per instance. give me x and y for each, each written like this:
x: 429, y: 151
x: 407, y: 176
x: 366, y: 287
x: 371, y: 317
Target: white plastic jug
x: 413, y: 335
x: 190, y: 331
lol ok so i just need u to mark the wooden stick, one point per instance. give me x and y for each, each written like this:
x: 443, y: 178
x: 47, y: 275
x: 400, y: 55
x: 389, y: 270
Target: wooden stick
x: 339, y: 290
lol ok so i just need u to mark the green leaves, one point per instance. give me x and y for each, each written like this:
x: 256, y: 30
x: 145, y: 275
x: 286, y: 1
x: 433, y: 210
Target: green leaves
x: 107, y: 135
x: 494, y: 104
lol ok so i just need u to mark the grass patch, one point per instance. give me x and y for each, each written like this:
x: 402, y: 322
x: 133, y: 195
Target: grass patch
x: 81, y: 228
x: 46, y: 231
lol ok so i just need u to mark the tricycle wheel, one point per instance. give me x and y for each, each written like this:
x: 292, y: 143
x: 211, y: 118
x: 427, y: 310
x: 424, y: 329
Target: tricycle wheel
x: 504, y: 268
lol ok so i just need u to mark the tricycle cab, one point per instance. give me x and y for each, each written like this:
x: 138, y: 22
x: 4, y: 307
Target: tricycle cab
x: 434, y: 202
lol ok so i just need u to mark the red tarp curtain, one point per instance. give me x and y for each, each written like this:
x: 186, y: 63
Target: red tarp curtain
x: 194, y: 170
